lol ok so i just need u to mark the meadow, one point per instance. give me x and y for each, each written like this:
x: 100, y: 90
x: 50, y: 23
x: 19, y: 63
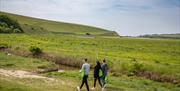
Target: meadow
x: 135, y: 64
x: 121, y: 52
x: 68, y: 80
x: 153, y: 55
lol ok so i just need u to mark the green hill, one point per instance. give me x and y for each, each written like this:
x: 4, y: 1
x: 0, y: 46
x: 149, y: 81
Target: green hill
x: 134, y: 64
x: 34, y: 25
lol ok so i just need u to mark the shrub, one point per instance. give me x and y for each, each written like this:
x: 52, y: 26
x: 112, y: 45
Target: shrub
x: 17, y: 31
x: 156, y: 61
x: 88, y: 34
x: 3, y: 45
x: 35, y: 50
x: 137, y: 67
x: 8, y: 25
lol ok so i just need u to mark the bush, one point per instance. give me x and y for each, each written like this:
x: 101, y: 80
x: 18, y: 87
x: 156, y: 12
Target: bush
x: 3, y: 45
x: 137, y: 67
x: 17, y: 31
x: 35, y: 50
x: 8, y: 25
x: 88, y: 34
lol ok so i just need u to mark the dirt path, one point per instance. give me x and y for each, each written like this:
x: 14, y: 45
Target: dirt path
x: 26, y: 74
x: 22, y: 74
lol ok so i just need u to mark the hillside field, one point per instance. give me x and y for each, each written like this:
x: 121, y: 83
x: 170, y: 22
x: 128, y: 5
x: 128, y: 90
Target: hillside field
x: 160, y: 56
x: 135, y: 64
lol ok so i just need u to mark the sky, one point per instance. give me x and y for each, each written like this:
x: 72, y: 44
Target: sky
x: 126, y: 17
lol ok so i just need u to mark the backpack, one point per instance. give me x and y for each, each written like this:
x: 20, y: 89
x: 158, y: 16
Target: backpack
x: 82, y: 73
x: 100, y: 73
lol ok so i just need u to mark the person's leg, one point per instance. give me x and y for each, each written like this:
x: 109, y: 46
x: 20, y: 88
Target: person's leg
x: 95, y: 82
x: 86, y: 82
x: 83, y: 81
x: 103, y: 80
x: 99, y: 80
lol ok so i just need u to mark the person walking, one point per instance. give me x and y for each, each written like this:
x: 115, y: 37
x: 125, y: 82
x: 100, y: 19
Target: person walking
x: 105, y: 72
x: 97, y: 75
x: 85, y: 69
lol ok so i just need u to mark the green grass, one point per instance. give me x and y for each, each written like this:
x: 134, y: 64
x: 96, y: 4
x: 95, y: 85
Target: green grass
x: 160, y: 56
x: 156, y: 55
x: 122, y: 83
x: 68, y: 80
x: 32, y: 84
x: 32, y: 25
x: 123, y: 55
x: 29, y: 64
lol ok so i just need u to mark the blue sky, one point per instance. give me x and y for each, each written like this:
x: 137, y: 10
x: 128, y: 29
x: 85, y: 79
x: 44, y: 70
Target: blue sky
x: 127, y: 17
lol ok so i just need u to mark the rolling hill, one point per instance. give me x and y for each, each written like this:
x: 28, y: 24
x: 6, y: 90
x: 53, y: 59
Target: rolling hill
x: 52, y: 53
x: 35, y: 25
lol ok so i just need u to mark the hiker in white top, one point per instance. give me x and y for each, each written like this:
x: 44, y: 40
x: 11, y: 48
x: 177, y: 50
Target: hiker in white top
x: 85, y: 69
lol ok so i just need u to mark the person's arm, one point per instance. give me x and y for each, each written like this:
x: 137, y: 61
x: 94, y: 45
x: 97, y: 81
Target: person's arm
x: 82, y: 68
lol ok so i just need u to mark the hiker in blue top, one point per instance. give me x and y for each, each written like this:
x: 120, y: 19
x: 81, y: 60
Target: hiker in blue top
x: 97, y: 75
x: 105, y: 71
x: 85, y: 70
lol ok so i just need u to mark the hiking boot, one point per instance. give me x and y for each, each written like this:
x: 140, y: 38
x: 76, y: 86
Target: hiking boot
x: 93, y: 88
x: 78, y: 88
x: 104, y: 85
x: 102, y: 89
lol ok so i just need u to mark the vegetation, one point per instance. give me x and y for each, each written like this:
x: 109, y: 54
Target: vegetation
x: 34, y: 25
x: 122, y: 53
x: 135, y: 64
x: 68, y: 80
x: 8, y: 25
x: 2, y: 46
x: 35, y: 50
x: 164, y: 36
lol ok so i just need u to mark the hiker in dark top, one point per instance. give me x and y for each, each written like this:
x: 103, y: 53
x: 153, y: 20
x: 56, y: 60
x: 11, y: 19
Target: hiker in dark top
x: 97, y: 69
x: 85, y: 69
x: 105, y: 71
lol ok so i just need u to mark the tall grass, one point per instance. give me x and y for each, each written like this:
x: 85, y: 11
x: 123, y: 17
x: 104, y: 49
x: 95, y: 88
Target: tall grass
x: 160, y: 56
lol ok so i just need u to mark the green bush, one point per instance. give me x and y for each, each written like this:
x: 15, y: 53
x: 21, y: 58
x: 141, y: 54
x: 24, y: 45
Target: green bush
x: 88, y: 34
x: 8, y: 25
x: 3, y: 45
x: 137, y: 67
x: 17, y: 30
x: 35, y: 50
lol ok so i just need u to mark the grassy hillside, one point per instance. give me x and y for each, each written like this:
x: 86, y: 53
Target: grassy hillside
x: 31, y: 25
x: 135, y: 64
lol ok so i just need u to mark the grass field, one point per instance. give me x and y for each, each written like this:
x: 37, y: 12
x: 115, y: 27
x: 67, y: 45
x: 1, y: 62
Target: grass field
x: 120, y: 52
x: 68, y: 80
x: 159, y: 56
x: 125, y: 57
